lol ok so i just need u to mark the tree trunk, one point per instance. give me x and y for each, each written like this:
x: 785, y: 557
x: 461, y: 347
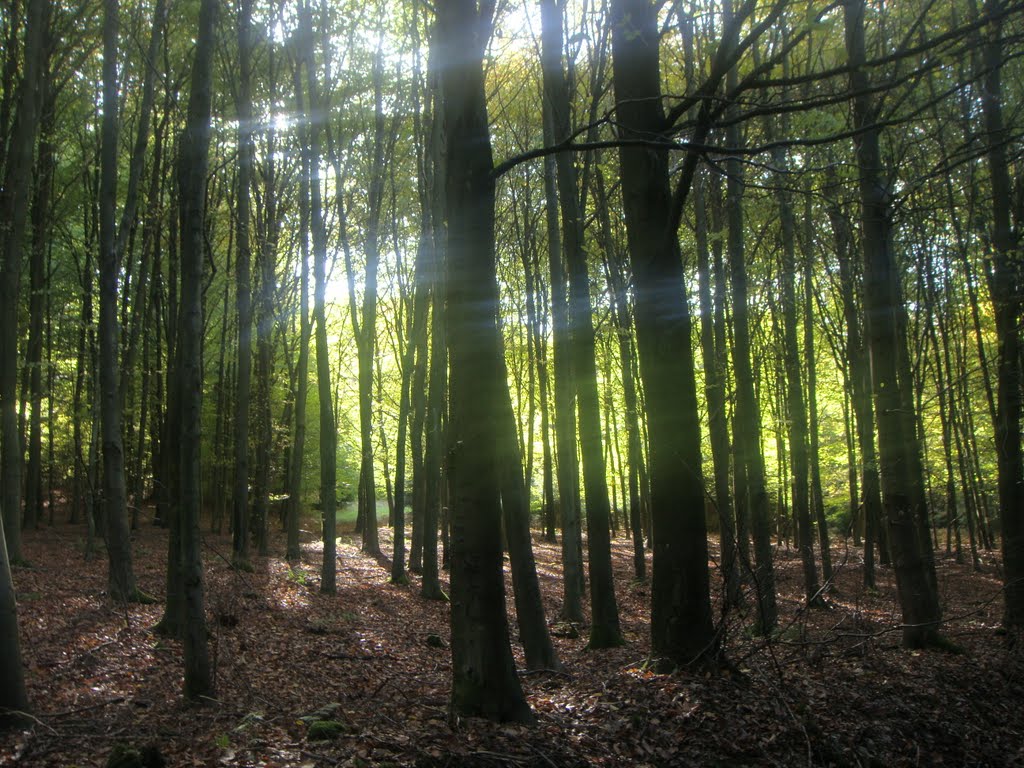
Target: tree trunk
x: 484, y: 680
x: 860, y: 385
x: 266, y: 320
x: 515, y: 507
x: 681, y: 627
x: 621, y: 319
x: 797, y: 403
x: 747, y: 432
x: 298, y: 452
x: 13, y: 695
x: 604, y: 612
x: 192, y: 170
x: 817, y: 497
x: 121, y: 583
x: 328, y: 444
x: 899, y: 449
x: 566, y: 457
x: 715, y: 381
x: 38, y: 293
x: 243, y: 295
x: 14, y: 205
x: 1004, y: 287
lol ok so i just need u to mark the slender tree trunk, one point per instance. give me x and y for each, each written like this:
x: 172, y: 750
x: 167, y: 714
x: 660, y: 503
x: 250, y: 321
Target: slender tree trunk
x: 298, y: 453
x: 121, y: 576
x: 243, y: 295
x: 515, y: 507
x: 193, y: 165
x: 328, y: 445
x: 860, y: 386
x: 747, y: 432
x: 433, y: 461
x: 814, y: 458
x: 620, y: 316
x: 796, y: 401
x: 38, y: 293
x: 715, y: 380
x: 604, y: 612
x: 565, y: 408
x: 266, y: 320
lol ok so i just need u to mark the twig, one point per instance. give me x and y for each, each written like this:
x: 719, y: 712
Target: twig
x: 29, y: 716
x: 77, y: 710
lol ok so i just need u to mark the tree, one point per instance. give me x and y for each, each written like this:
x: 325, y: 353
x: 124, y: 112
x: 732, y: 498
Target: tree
x: 14, y: 200
x: 298, y: 448
x: 1005, y: 288
x: 13, y: 696
x: 484, y: 680
x: 328, y: 444
x: 193, y: 164
x: 681, y: 628
x: 122, y: 578
x: 604, y: 612
x: 243, y: 297
x: 899, y: 450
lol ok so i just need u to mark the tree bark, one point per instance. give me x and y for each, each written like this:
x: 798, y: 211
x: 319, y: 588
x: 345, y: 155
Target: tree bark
x: 1005, y: 288
x: 484, y: 680
x: 14, y: 205
x: 243, y: 295
x: 899, y: 449
x: 681, y: 628
x: 298, y: 451
x: 121, y: 578
x: 604, y: 612
x: 192, y: 171
x: 328, y: 444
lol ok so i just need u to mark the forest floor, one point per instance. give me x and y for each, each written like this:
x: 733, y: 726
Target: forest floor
x: 832, y: 687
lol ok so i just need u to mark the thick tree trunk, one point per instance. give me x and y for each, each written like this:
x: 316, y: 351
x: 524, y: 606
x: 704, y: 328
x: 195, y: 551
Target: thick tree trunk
x: 484, y: 680
x: 681, y: 628
x: 14, y: 206
x: 1005, y: 285
x: 13, y: 695
x: 899, y: 449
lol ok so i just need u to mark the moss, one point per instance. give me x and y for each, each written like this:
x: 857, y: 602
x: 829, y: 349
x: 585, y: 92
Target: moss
x: 324, y: 730
x: 124, y: 756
